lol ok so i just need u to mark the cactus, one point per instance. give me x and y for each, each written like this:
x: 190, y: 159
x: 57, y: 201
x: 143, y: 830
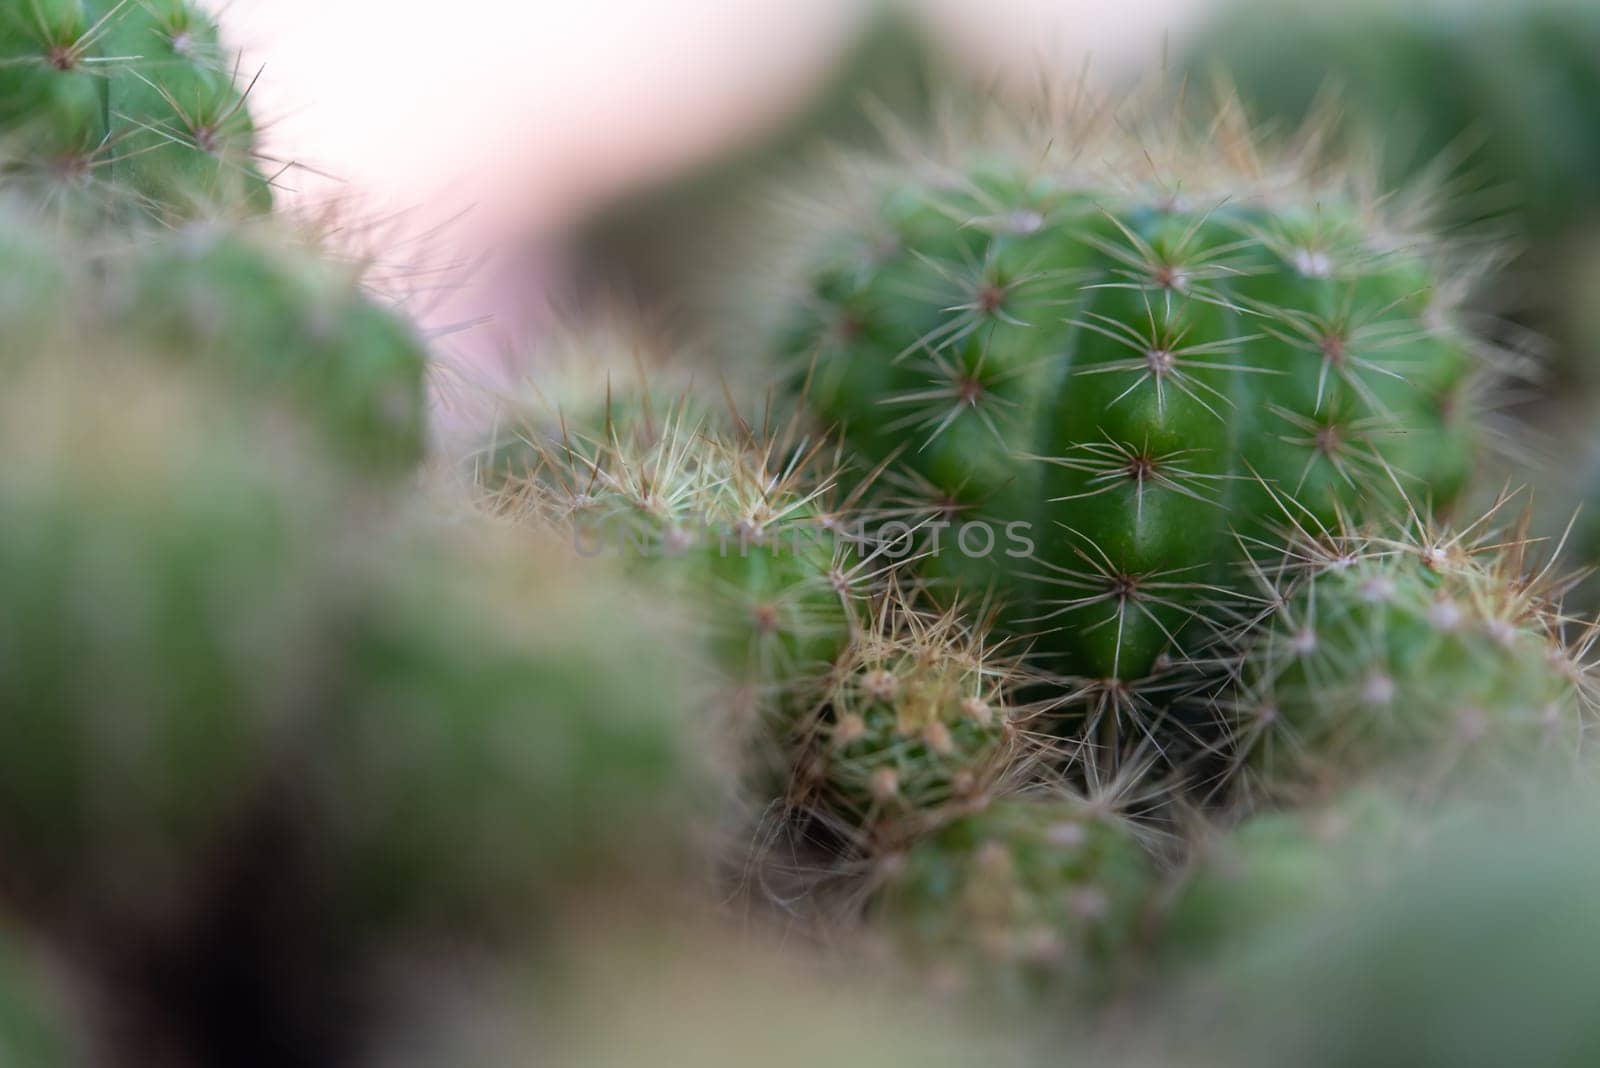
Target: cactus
x: 262, y: 308
x: 1489, y: 103
x: 1023, y: 893
x: 164, y: 571
x: 1131, y: 356
x: 125, y: 108
x: 510, y: 729
x: 1277, y: 869
x: 585, y: 381
x: 1476, y: 957
x: 263, y: 311
x: 1504, y: 86
x: 920, y: 718
x: 1438, y: 654
x: 735, y: 524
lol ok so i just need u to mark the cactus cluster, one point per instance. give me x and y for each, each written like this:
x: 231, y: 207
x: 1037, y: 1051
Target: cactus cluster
x: 1087, y: 616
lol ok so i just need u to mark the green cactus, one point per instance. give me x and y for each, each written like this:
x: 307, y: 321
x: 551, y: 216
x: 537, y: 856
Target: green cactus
x: 1506, y: 85
x: 735, y: 524
x: 1275, y: 870
x: 1480, y: 956
x: 121, y: 109
x: 212, y: 640
x: 510, y: 729
x: 268, y: 312
x: 1130, y: 356
x: 921, y: 717
x: 588, y: 381
x: 1023, y: 893
x: 164, y: 571
x: 1438, y: 655
x: 1491, y: 103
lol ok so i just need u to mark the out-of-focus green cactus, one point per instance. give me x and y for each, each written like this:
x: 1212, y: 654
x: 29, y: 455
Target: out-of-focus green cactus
x: 165, y: 623
x: 1278, y: 869
x: 1428, y: 655
x: 1023, y: 893
x: 1509, y: 86
x: 36, y: 1028
x: 1481, y: 956
x: 1128, y: 345
x: 269, y: 313
x: 509, y: 728
x: 124, y: 108
x: 1493, y: 102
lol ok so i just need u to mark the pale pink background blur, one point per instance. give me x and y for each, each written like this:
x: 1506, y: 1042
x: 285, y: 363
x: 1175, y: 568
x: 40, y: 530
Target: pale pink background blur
x: 526, y: 114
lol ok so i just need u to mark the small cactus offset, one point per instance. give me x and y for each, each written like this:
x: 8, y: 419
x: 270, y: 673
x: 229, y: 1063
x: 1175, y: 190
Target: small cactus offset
x: 1431, y: 653
x: 921, y: 718
x: 1027, y: 893
x: 119, y: 109
x: 1128, y: 356
x: 736, y: 523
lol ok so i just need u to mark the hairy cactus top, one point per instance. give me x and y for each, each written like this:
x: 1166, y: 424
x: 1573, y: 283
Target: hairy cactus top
x: 117, y: 108
x: 920, y: 718
x: 737, y: 523
x: 1129, y: 345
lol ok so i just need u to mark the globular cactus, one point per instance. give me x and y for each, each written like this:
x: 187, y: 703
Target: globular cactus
x: 1488, y: 104
x: 1440, y: 655
x: 268, y: 311
x: 166, y: 574
x: 1479, y: 955
x: 125, y: 108
x: 1499, y: 91
x: 921, y: 718
x: 1276, y: 870
x: 512, y: 733
x: 586, y: 380
x: 260, y: 309
x: 224, y: 658
x: 1125, y: 354
x: 1023, y: 894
